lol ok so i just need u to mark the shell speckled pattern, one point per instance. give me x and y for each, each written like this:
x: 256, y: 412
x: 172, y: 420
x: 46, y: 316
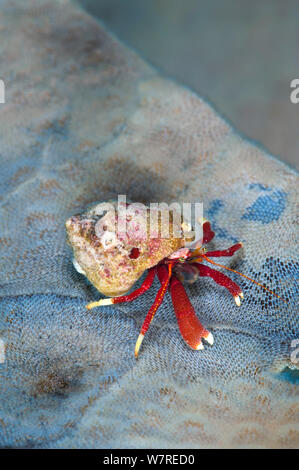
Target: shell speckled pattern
x: 113, y: 261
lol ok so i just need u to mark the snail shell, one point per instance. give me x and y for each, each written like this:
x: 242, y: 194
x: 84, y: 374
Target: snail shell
x: 114, y: 259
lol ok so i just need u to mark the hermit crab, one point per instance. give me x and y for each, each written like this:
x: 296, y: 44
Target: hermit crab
x: 113, y: 260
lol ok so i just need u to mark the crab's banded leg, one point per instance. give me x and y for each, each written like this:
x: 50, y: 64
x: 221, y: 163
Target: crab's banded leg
x: 222, y: 280
x: 228, y: 252
x: 190, y: 327
x: 147, y: 283
x: 164, y: 275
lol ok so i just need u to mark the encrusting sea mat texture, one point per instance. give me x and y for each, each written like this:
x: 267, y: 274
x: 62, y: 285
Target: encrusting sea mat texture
x: 86, y: 119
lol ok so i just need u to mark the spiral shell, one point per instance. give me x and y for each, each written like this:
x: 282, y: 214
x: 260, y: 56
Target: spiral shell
x: 111, y: 259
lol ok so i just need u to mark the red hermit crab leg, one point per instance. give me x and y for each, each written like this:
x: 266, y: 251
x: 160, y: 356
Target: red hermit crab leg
x: 208, y: 233
x: 147, y: 283
x: 228, y: 252
x: 222, y: 280
x: 207, y: 236
x: 241, y: 274
x: 164, y: 277
x: 190, y: 327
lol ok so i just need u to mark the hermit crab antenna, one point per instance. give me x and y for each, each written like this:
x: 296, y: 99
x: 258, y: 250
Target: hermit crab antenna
x: 243, y: 275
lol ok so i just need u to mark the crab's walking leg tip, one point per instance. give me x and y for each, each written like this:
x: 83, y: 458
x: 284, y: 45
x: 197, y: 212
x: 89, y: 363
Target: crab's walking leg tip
x: 199, y: 347
x: 138, y: 344
x: 92, y: 305
x: 241, y: 295
x: 106, y: 302
x: 209, y: 339
x: 99, y: 303
x: 237, y: 300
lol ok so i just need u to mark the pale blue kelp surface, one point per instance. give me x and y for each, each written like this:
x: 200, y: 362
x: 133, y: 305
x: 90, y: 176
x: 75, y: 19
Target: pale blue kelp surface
x: 85, y: 119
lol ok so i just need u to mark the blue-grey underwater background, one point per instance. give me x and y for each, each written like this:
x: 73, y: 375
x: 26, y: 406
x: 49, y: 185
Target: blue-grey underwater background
x: 86, y: 119
x: 241, y: 55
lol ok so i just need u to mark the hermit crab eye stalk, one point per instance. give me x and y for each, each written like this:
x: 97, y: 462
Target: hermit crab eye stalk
x: 120, y: 261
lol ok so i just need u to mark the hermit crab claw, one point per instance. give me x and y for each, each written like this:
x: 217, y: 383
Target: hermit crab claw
x: 192, y: 331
